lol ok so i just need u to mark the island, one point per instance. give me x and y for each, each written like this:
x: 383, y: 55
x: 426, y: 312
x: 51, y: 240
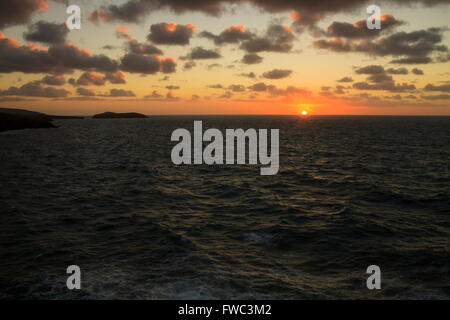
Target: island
x: 17, y: 119
x: 66, y: 117
x: 112, y: 115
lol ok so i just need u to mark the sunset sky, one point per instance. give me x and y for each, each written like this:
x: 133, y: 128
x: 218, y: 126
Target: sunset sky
x: 226, y: 57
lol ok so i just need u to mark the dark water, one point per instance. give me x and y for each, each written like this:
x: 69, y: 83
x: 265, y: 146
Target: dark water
x: 104, y: 195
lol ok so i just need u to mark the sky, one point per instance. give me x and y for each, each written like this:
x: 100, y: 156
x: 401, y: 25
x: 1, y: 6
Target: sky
x: 169, y: 57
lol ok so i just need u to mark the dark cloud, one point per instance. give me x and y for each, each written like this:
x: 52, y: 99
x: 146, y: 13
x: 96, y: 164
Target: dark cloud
x: 171, y: 33
x: 172, y: 87
x: 259, y: 87
x: 345, y: 79
x: 215, y: 86
x: 276, y: 39
x: 35, y: 89
x: 276, y: 92
x: 200, y: 53
x: 226, y: 95
x: 417, y: 72
x: 386, y: 85
x: 46, y: 32
x: 250, y: 75
x: 90, y: 78
x: 189, y: 65
x: 277, y: 74
x: 115, y: 78
x: 372, y: 69
x: 119, y: 93
x: 136, y: 63
x: 311, y: 10
x: 85, y: 92
x: 236, y: 88
x: 154, y: 95
x: 53, y: 80
x: 252, y: 58
x: 410, y: 47
x: 19, y: 11
x: 440, y: 88
x: 171, y: 96
x: 437, y: 97
x: 359, y: 29
x: 379, y: 77
x: 142, y: 48
x: 213, y: 66
x: 71, y: 57
x: 412, y: 60
x: 397, y: 71
x: 233, y: 34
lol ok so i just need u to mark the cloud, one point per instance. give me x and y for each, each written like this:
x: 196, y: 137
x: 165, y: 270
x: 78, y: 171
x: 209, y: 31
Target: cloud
x: 154, y: 95
x: 437, y: 97
x: 213, y: 66
x: 172, y: 87
x: 200, y: 53
x: 372, y: 69
x: 226, y: 95
x: 359, y: 30
x: 252, y: 58
x: 277, y: 74
x: 136, y: 63
x: 171, y: 33
x: 142, y: 48
x: 35, y: 89
x: 216, y: 86
x: 135, y: 46
x: 233, y: 34
x: 250, y: 75
x: 119, y: 93
x: 259, y: 87
x: 90, y: 78
x: 122, y: 32
x: 115, y: 78
x: 19, y: 11
x: 236, y: 88
x: 276, y: 39
x: 312, y: 10
x: 46, y: 32
x: 71, y: 57
x: 276, y: 92
x: 189, y: 65
x: 345, y: 79
x: 397, y: 71
x: 410, y: 47
x: 440, y: 88
x: 85, y: 92
x: 385, y: 85
x: 171, y: 96
x: 417, y: 72
x: 53, y: 80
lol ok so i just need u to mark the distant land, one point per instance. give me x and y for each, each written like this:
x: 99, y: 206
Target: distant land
x: 17, y: 119
x: 112, y: 115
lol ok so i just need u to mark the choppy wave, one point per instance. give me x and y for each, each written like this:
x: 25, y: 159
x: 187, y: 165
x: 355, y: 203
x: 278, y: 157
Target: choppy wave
x: 104, y: 195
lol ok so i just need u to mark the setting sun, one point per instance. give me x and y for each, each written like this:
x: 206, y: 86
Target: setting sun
x: 304, y: 113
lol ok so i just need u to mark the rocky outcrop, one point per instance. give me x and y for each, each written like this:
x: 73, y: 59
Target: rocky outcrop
x: 17, y: 119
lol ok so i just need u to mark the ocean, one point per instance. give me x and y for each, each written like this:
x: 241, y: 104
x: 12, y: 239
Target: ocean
x: 104, y: 195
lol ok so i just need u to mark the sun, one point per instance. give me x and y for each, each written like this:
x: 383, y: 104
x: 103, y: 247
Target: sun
x: 304, y: 113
